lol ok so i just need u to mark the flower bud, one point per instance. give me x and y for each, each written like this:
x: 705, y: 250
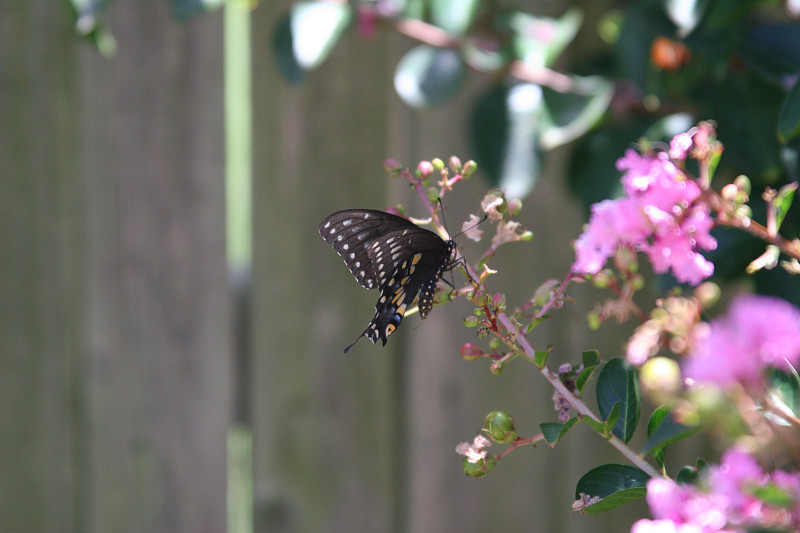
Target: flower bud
x: 425, y: 168
x: 707, y: 294
x: 661, y: 376
x: 495, y: 368
x: 499, y: 299
x: 471, y: 321
x: 438, y: 164
x: 514, y: 206
x: 471, y: 352
x: 602, y: 279
x: 455, y: 163
x: 593, y: 321
x: 469, y: 167
x: 500, y: 427
x: 479, y: 468
x: 742, y: 183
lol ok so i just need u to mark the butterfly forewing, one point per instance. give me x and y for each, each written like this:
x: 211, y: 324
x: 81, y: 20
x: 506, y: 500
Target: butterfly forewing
x: 352, y: 231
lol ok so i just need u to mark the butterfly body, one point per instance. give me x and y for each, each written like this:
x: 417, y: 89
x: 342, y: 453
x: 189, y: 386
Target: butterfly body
x: 392, y: 254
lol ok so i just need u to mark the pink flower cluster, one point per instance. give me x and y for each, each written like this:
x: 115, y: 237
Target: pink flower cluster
x: 660, y: 215
x: 757, y: 332
x: 735, y: 496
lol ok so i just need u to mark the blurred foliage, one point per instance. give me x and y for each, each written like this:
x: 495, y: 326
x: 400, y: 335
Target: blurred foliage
x: 655, y: 68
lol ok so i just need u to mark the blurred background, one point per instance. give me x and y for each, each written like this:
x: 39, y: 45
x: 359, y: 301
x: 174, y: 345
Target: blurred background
x: 171, y: 324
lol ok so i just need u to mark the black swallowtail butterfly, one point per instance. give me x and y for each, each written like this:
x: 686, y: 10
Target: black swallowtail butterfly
x: 388, y: 252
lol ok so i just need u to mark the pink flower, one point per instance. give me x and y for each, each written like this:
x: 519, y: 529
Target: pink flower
x: 757, y: 332
x: 680, y: 145
x: 725, y: 501
x: 660, y: 215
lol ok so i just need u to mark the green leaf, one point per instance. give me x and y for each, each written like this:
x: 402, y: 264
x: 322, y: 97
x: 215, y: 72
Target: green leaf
x: 665, y: 431
x: 659, y: 452
x: 568, y: 116
x: 540, y: 356
x: 185, y: 9
x: 789, y: 118
x: 784, y: 390
x: 535, y: 322
x: 283, y: 51
x: 615, y: 484
x: 539, y: 41
x: 689, y: 475
x: 606, y: 426
x: 590, y: 358
x: 553, y: 431
x: 783, y: 201
x: 504, y: 127
x: 453, y: 16
x: 618, y: 383
x: 315, y: 29
x: 427, y: 76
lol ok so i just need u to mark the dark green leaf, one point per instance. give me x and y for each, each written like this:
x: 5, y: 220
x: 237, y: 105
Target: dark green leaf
x: 504, y: 127
x: 665, y: 431
x: 185, y: 9
x: 659, y: 452
x: 772, y: 50
x: 789, y: 119
x: 590, y: 358
x: 618, y: 383
x: 453, y: 16
x: 689, y: 475
x: 584, y: 377
x: 427, y: 76
x: 606, y: 426
x: 553, y: 431
x: 283, y: 51
x: 784, y: 390
x: 615, y: 484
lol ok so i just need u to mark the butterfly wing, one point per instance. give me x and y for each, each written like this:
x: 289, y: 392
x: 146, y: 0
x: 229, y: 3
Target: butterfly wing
x: 416, y: 259
x: 352, y: 231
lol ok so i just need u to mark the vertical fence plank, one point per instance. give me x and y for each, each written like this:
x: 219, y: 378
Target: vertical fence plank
x: 159, y: 319
x: 42, y: 265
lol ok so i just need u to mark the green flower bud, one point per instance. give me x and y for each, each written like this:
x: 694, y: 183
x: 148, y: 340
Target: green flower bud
x: 438, y: 164
x: 500, y: 427
x: 471, y: 321
x: 480, y: 468
x: 471, y: 352
x: 469, y: 167
x: 742, y: 183
x: 455, y: 163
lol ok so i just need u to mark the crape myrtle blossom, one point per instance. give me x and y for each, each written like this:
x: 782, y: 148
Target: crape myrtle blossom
x: 735, y: 496
x: 757, y: 332
x: 660, y: 215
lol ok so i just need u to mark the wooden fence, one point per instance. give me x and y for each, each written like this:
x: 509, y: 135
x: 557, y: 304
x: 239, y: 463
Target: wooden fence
x: 119, y: 377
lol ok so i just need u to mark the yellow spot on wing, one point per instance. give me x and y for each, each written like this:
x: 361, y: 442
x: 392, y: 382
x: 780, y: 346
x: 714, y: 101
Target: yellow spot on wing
x: 389, y: 329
